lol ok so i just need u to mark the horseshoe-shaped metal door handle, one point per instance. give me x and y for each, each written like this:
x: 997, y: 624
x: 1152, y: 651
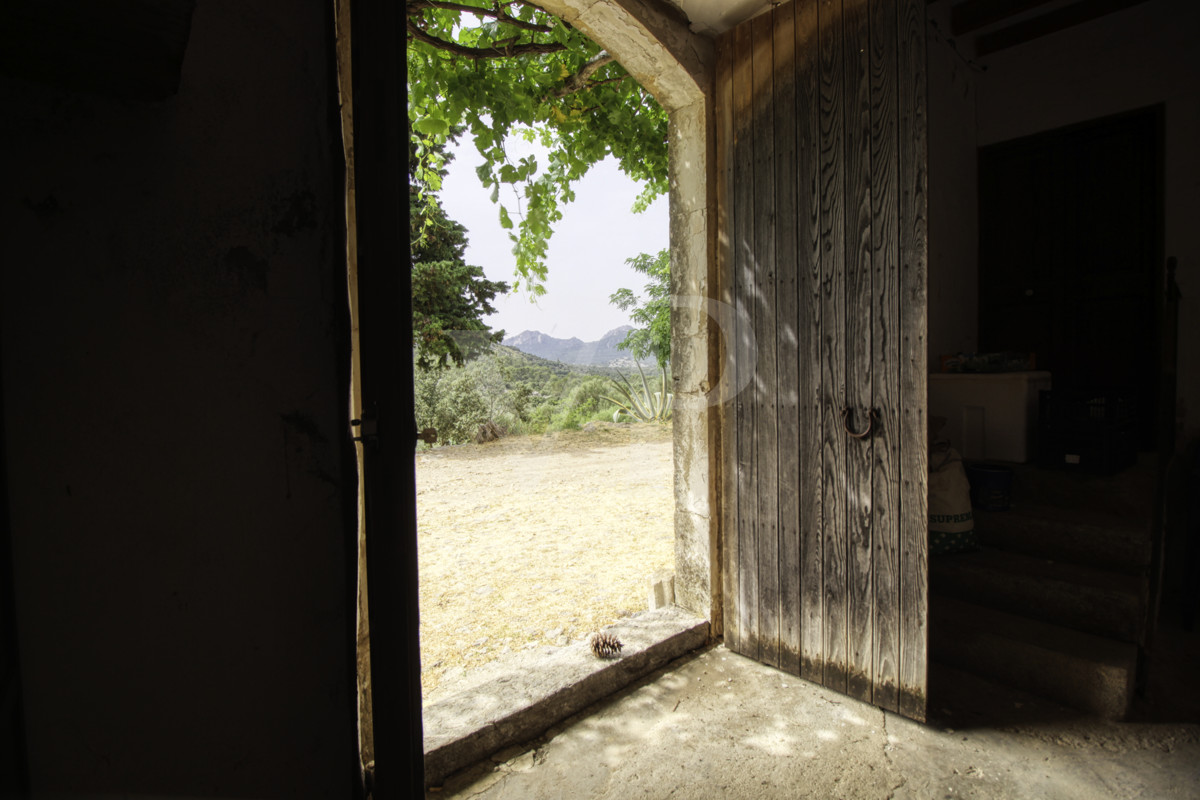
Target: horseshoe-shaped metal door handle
x: 872, y: 416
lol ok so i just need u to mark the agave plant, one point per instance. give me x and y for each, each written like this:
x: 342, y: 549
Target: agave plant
x: 644, y: 405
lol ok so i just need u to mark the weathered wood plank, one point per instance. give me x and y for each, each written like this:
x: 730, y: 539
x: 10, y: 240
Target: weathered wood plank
x: 380, y: 133
x: 821, y: 180
x: 787, y: 338
x: 860, y: 596
x: 913, y: 249
x: 833, y: 337
x: 885, y: 352
x: 744, y: 267
x: 766, y: 432
x: 723, y: 114
x: 808, y: 226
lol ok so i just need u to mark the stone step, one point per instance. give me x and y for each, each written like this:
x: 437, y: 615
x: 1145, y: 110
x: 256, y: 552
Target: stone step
x: 1121, y: 498
x: 1067, y: 535
x: 518, y: 698
x: 961, y: 699
x: 1084, y: 598
x: 1078, y: 669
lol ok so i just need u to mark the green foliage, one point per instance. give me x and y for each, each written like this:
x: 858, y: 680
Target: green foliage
x: 507, y: 69
x: 449, y: 301
x: 653, y: 337
x: 491, y: 381
x: 585, y: 401
x: 519, y: 392
x: 520, y: 400
x: 450, y: 297
x: 449, y: 401
x: 588, y: 396
x: 644, y: 405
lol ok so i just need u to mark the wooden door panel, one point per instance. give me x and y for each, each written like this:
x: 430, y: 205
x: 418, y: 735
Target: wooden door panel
x: 885, y: 349
x: 808, y: 226
x: 746, y: 507
x: 787, y: 356
x: 821, y: 173
x: 913, y: 242
x: 763, y: 294
x: 833, y: 339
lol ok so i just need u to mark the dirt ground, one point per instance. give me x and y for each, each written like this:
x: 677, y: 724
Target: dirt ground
x: 536, y: 540
x: 719, y: 725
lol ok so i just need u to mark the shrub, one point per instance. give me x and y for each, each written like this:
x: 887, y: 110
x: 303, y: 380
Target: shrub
x: 642, y: 403
x: 449, y: 401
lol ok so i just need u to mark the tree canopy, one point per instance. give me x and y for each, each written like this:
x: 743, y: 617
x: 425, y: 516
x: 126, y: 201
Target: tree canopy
x: 449, y: 296
x: 495, y: 69
x: 653, y: 315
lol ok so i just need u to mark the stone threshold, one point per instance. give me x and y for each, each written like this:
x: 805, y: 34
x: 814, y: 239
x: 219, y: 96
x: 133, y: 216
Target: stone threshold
x: 520, y: 698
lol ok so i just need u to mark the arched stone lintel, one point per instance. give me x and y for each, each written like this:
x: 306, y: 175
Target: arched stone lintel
x: 651, y: 40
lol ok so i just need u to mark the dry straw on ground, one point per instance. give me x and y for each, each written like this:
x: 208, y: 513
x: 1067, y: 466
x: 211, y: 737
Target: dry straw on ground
x: 536, y: 540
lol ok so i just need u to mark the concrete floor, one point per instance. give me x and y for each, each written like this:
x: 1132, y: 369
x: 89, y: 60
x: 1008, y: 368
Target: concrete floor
x: 717, y: 725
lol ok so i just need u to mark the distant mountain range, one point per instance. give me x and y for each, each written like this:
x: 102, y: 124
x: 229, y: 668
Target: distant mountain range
x: 602, y: 353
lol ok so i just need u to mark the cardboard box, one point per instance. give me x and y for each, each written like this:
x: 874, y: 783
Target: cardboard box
x: 992, y: 416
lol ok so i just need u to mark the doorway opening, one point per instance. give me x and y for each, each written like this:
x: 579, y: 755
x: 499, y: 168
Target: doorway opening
x: 545, y: 508
x: 664, y: 56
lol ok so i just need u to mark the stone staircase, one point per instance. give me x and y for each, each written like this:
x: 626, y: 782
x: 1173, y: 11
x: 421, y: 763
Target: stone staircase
x: 1056, y: 601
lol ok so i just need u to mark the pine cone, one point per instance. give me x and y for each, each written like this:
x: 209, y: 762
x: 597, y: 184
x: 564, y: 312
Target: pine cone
x: 605, y: 645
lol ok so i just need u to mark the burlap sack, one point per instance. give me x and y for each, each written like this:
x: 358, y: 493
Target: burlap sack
x: 951, y: 521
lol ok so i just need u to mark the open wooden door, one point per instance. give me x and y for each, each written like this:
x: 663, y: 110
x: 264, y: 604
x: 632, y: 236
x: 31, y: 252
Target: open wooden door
x: 379, y: 206
x: 820, y: 108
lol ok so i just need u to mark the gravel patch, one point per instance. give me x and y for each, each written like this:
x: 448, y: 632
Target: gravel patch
x: 536, y: 541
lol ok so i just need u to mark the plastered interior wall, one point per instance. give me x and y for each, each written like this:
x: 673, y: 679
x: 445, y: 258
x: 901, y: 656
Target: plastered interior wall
x: 953, y: 194
x: 173, y: 363
x: 1131, y: 59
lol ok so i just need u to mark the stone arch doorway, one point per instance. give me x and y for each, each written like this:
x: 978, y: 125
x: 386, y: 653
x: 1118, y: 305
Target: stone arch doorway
x: 656, y: 46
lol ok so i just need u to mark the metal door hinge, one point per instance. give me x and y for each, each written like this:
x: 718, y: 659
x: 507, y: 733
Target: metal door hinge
x: 368, y: 427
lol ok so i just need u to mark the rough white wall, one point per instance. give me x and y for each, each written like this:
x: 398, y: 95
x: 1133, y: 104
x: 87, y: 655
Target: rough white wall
x: 1135, y: 58
x: 1131, y: 59
x: 953, y: 195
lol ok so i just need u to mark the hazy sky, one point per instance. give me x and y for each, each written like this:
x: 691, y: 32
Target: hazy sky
x: 587, y: 252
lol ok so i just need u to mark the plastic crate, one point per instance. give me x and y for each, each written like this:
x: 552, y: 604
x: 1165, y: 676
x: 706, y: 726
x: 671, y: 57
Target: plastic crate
x: 1087, y: 431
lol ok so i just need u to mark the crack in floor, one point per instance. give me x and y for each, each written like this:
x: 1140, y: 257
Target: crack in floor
x: 887, y: 741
